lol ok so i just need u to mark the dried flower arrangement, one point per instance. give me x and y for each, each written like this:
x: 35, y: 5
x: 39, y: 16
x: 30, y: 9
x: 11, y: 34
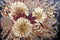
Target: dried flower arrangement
x: 29, y: 19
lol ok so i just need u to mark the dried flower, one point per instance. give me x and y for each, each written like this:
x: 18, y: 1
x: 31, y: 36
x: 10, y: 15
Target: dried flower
x: 22, y: 27
x: 40, y: 15
x: 18, y: 7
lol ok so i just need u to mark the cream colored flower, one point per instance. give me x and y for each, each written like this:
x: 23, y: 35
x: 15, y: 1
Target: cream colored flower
x: 38, y: 12
x: 19, y: 7
x: 22, y: 27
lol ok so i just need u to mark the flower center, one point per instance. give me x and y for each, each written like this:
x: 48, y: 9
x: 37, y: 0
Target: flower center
x: 38, y: 15
x: 23, y: 27
x: 21, y: 10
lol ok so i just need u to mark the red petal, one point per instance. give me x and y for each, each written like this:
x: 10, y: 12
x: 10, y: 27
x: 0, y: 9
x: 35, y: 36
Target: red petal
x: 33, y: 22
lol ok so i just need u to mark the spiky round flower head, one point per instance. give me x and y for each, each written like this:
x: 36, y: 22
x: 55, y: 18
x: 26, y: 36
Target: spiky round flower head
x: 19, y: 7
x: 22, y: 28
x: 40, y: 15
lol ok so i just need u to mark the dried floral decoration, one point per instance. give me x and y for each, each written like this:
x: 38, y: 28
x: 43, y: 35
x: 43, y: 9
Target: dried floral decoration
x: 29, y: 19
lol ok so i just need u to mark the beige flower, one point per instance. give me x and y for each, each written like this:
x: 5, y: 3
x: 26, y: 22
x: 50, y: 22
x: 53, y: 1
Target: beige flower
x: 18, y: 7
x: 22, y: 28
x: 38, y: 12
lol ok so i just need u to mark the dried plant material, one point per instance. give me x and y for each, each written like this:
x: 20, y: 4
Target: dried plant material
x: 29, y: 20
x: 22, y: 28
x: 40, y: 15
x: 18, y: 7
